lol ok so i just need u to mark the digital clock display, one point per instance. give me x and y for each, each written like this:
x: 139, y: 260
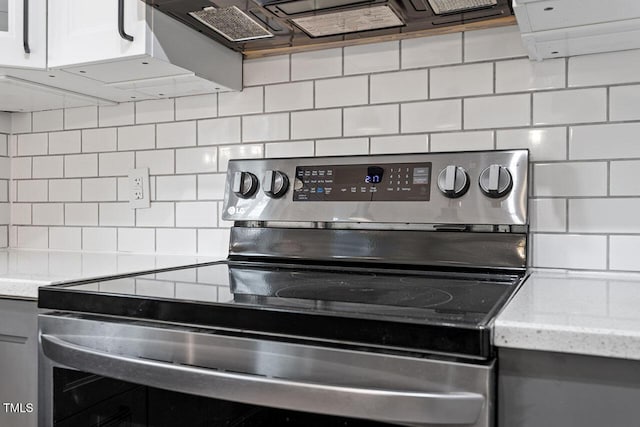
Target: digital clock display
x: 374, y: 175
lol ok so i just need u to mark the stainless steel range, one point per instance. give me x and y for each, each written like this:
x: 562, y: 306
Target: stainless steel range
x: 358, y: 291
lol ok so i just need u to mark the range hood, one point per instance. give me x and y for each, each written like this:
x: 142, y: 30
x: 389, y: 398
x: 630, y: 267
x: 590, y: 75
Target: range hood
x: 277, y: 25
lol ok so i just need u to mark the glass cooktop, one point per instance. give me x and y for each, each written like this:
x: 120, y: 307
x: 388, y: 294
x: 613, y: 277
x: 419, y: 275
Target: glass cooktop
x: 394, y: 308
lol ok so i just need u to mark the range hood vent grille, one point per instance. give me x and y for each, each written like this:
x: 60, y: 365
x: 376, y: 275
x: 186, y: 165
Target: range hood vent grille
x: 441, y: 7
x: 349, y: 21
x: 231, y: 23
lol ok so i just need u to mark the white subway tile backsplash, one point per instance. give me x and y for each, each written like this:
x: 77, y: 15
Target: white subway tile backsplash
x: 272, y: 69
x: 64, y: 142
x: 21, y: 214
x: 68, y: 239
x: 33, y: 237
x: 196, y: 160
x: 522, y: 75
x: 493, y: 43
x: 48, y: 167
x: 81, y: 214
x: 624, y: 252
x: 624, y: 103
x: 431, y: 51
x: 20, y: 168
x: 610, y: 215
x: 604, y: 68
x: 4, y: 148
x: 99, y: 140
x: 155, y: 110
x: 462, y: 141
x: 136, y: 137
x: 159, y: 162
x: 431, y: 116
x: 196, y: 107
x: 211, y: 187
x: 316, y: 124
x: 213, y: 242
x: 373, y: 120
x: 32, y: 144
x: 400, y: 144
x: 245, y: 151
x: 249, y: 101
x: 81, y: 165
x: 570, y: 179
x: 219, y: 131
x: 570, y: 251
x: 99, y: 239
x: 290, y: 149
x: 461, y: 80
x: 342, y: 91
x: 116, y: 214
x: 288, y: 97
x: 625, y: 178
x: 116, y: 115
x: 44, y: 121
x: 99, y: 190
x: 399, y: 86
x: 176, y: 187
x: 65, y: 190
x: 160, y: 214
x: 176, y: 241
x: 48, y: 213
x: 570, y: 106
x: 116, y: 164
x: 81, y: 117
x: 370, y: 58
x: 32, y: 191
x: 316, y: 64
x: 544, y: 144
x: 615, y: 141
x: 179, y: 134
x: 20, y: 122
x: 136, y: 240
x: 265, y: 127
x: 497, y: 111
x: 196, y: 214
x: 342, y: 147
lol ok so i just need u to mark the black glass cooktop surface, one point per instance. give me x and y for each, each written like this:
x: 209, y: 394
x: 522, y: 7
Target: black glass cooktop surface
x: 378, y: 307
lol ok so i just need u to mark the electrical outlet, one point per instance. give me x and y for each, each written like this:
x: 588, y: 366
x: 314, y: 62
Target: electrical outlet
x: 139, y: 194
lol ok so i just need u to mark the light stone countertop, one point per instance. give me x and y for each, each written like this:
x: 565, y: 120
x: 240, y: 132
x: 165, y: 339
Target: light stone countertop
x: 22, y: 272
x: 570, y: 312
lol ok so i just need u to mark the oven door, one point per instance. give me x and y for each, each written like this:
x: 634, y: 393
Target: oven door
x: 255, y: 372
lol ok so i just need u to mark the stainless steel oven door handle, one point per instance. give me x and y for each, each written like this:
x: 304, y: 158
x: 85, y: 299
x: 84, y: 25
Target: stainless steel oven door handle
x: 391, y: 406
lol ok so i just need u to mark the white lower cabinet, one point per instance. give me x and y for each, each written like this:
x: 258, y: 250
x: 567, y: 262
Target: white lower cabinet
x: 18, y: 363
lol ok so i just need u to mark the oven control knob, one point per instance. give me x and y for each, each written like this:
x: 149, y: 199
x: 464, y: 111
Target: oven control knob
x: 244, y: 184
x: 275, y: 184
x: 453, y: 181
x: 495, y: 181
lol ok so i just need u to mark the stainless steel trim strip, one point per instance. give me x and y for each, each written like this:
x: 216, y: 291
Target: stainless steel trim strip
x: 426, y: 248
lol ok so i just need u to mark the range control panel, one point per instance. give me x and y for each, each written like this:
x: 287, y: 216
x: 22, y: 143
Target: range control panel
x: 481, y: 187
x: 384, y: 182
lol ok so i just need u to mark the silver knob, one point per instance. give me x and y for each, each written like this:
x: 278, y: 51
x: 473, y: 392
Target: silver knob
x: 275, y: 184
x: 453, y: 181
x: 495, y: 181
x: 244, y: 184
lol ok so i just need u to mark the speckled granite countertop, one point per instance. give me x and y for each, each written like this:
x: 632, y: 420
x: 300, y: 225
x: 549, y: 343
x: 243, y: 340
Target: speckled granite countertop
x: 22, y: 272
x: 568, y: 312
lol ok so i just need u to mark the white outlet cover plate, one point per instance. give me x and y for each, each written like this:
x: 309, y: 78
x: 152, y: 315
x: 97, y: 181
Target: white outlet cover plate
x: 139, y: 195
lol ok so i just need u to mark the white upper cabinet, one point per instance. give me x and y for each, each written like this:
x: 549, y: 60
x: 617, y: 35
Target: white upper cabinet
x: 555, y: 28
x: 23, y: 35
x: 82, y: 31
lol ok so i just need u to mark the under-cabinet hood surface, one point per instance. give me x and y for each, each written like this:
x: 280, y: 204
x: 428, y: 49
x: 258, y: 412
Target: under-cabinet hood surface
x: 263, y: 25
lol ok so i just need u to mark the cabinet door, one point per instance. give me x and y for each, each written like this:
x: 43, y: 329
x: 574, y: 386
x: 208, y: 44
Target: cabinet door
x: 82, y: 31
x: 23, y: 36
